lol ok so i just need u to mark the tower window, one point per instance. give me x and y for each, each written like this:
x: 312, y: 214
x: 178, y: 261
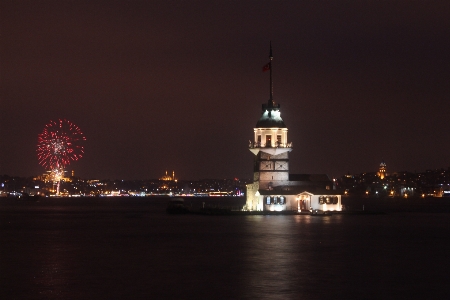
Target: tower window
x: 278, y: 139
x: 268, y: 141
x: 268, y: 200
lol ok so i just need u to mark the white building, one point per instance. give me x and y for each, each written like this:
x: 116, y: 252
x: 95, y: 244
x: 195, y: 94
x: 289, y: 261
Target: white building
x: 273, y: 188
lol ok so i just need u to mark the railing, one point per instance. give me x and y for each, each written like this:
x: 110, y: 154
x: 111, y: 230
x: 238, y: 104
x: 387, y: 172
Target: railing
x: 252, y: 145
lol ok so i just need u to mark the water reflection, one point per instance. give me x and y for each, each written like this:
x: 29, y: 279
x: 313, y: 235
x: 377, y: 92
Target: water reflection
x: 289, y: 256
x: 50, y: 280
x: 127, y: 250
x: 51, y: 261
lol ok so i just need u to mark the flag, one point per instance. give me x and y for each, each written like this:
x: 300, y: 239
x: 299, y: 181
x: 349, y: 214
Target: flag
x: 266, y: 67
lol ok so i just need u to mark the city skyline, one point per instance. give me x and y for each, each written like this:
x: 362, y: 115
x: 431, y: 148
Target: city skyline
x: 159, y: 86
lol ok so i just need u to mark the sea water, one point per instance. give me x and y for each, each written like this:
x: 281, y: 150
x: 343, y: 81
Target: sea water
x: 129, y: 248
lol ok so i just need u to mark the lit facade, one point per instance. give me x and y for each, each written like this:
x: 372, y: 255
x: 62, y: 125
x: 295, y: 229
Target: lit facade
x: 273, y: 187
x: 382, y: 170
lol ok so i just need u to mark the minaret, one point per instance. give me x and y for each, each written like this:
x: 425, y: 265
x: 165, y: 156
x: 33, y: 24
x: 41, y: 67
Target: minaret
x: 271, y: 149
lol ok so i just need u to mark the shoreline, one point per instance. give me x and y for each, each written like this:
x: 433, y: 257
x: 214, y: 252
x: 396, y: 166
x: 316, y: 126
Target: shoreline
x: 219, y: 205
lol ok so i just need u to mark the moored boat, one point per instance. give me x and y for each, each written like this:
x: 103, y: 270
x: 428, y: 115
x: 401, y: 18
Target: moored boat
x: 177, y: 206
x: 320, y: 213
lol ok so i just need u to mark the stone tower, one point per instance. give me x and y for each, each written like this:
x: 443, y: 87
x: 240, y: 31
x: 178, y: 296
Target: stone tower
x: 382, y: 170
x: 271, y: 149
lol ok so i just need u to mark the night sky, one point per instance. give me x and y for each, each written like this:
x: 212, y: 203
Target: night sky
x: 178, y: 85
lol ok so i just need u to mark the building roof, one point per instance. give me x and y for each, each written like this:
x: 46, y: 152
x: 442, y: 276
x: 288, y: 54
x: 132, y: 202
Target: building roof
x: 271, y: 117
x: 272, y: 121
x: 309, y: 177
x: 295, y: 190
x: 298, y: 183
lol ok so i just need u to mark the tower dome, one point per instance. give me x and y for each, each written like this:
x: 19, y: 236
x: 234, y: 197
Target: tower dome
x: 271, y: 116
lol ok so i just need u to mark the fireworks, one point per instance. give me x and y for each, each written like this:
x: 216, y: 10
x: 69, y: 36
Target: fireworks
x: 59, y: 144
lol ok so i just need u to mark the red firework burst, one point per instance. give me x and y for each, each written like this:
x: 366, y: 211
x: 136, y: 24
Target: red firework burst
x: 59, y: 144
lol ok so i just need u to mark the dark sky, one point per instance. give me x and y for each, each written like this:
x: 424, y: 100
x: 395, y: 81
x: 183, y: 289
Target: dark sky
x: 178, y: 85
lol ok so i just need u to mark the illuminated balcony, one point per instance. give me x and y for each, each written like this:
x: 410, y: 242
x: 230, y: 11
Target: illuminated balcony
x: 269, y: 148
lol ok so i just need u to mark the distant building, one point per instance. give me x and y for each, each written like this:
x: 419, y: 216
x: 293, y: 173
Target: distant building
x: 273, y: 188
x: 382, y: 170
x: 168, y: 177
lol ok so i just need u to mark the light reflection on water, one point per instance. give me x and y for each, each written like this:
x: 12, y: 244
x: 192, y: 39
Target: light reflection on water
x: 132, y: 249
x: 284, y: 259
x: 54, y: 255
x: 52, y: 275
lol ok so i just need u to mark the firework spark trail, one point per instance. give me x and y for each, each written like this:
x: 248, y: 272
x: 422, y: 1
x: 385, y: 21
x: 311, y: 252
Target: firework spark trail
x: 59, y: 144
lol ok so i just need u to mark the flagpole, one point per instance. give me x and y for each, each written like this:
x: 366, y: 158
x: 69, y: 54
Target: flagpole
x: 270, y: 69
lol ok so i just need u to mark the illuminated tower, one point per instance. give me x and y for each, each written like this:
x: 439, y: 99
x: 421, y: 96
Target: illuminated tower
x: 271, y: 149
x: 382, y: 170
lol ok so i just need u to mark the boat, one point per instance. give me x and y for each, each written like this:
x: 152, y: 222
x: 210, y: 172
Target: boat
x: 177, y: 206
x: 320, y: 213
